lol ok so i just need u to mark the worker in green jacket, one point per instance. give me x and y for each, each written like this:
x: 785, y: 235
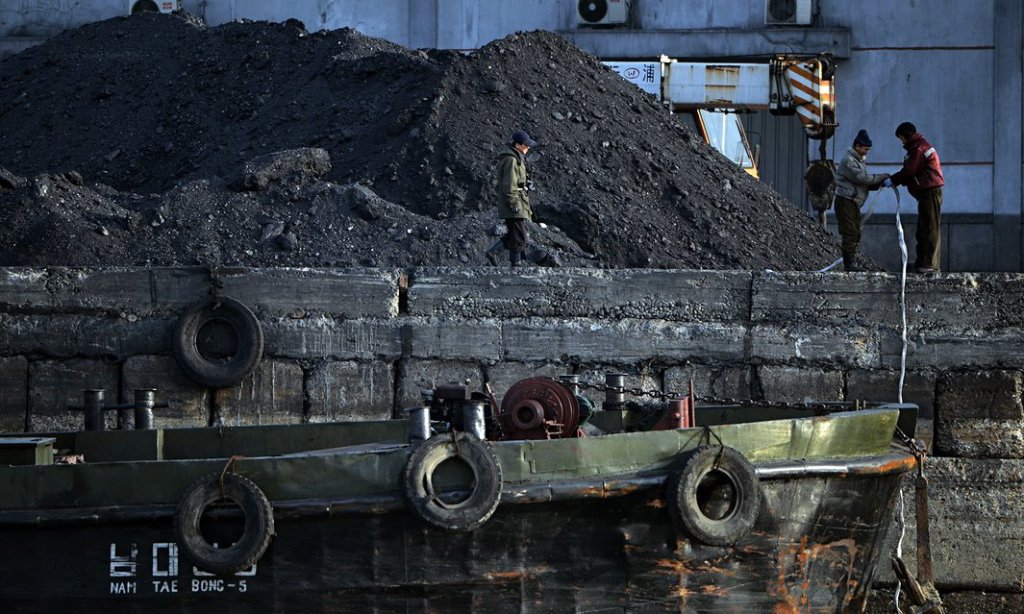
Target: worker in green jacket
x: 513, y: 201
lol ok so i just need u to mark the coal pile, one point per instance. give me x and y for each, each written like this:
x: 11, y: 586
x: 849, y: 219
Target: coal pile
x: 154, y: 140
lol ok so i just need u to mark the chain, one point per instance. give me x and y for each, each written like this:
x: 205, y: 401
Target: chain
x: 664, y: 396
x: 917, y: 448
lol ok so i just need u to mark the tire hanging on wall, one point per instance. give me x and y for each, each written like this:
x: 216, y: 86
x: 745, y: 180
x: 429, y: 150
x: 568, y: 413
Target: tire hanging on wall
x: 258, y: 516
x: 225, y: 372
x: 485, y: 492
x: 715, y: 496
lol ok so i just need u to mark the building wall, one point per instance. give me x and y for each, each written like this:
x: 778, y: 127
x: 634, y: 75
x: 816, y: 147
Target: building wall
x: 953, y: 68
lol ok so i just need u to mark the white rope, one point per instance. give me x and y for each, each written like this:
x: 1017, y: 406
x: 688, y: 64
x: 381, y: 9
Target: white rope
x: 903, y: 282
x: 900, y: 522
x: 899, y: 551
x: 903, y: 298
x: 831, y: 266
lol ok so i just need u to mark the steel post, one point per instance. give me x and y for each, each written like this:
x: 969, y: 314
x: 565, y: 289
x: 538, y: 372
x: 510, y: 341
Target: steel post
x: 615, y: 393
x: 93, y: 407
x: 419, y: 424
x: 144, y: 402
x: 473, y: 419
x: 572, y: 382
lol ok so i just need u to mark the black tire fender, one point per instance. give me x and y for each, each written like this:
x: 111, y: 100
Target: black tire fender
x: 218, y: 373
x: 714, y: 496
x: 469, y: 513
x: 258, y: 516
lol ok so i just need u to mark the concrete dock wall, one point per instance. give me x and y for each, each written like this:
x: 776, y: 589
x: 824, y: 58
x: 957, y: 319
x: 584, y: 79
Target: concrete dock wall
x: 358, y: 344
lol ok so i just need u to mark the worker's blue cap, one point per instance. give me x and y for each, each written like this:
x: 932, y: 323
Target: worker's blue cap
x: 520, y: 136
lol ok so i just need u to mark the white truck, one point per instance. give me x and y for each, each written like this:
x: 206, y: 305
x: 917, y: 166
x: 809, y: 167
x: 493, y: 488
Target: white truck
x: 710, y: 94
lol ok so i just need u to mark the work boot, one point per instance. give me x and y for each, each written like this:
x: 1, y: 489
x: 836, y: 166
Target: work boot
x: 492, y: 252
x: 850, y: 262
x: 514, y: 258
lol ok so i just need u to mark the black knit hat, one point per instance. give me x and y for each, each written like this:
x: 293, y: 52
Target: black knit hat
x: 862, y: 138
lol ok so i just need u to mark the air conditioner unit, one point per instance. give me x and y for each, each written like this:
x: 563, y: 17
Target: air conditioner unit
x: 602, y: 12
x: 163, y: 6
x: 788, y: 12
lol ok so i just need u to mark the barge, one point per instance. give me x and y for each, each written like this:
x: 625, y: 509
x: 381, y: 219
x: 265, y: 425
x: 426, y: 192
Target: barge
x: 542, y: 503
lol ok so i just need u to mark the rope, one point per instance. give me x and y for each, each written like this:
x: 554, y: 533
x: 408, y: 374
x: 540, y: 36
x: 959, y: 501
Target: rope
x: 901, y: 523
x: 708, y: 433
x: 903, y: 280
x: 455, y: 443
x: 227, y: 467
x: 831, y: 266
x: 903, y: 298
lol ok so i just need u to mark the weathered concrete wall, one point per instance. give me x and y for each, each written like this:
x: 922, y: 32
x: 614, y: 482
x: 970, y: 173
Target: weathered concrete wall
x: 359, y: 344
x: 976, y: 524
x: 65, y: 330
x: 339, y: 341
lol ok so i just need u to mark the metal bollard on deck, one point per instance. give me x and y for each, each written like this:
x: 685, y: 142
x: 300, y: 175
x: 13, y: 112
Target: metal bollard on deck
x: 144, y: 404
x: 615, y: 391
x: 419, y: 424
x: 473, y: 419
x: 572, y: 382
x: 93, y: 407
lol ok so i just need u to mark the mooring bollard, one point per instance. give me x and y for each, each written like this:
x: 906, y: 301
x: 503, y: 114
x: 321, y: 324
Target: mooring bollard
x: 419, y: 424
x: 92, y: 405
x: 615, y: 391
x: 572, y: 382
x: 144, y: 403
x: 473, y: 419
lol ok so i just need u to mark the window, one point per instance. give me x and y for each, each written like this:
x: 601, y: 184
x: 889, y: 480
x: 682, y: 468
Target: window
x: 725, y: 133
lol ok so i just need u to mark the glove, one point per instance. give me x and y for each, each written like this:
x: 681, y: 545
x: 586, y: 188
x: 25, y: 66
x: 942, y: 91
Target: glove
x: 887, y: 183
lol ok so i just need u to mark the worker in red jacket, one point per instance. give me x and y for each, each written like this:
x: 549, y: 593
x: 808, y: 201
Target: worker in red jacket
x: 922, y: 174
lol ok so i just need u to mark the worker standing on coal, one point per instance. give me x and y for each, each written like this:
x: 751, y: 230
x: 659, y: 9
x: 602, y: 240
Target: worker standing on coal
x: 514, y: 207
x: 513, y: 201
x: 852, y: 184
x: 922, y: 174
